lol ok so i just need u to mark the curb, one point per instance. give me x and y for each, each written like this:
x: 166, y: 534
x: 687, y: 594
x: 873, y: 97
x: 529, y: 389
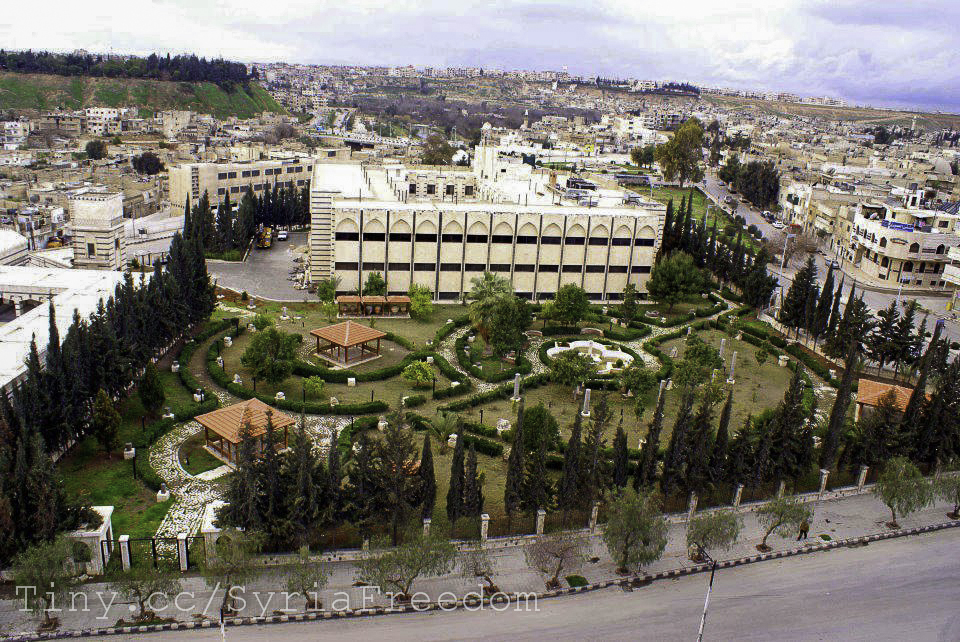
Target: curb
x: 640, y: 579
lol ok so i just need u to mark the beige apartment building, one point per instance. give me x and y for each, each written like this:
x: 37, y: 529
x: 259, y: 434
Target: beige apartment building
x: 220, y: 179
x: 99, y: 242
x: 442, y: 227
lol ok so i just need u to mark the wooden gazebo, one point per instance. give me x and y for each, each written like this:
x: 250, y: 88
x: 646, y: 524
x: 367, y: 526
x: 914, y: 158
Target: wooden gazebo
x: 351, y: 305
x: 348, y: 342
x: 223, y: 427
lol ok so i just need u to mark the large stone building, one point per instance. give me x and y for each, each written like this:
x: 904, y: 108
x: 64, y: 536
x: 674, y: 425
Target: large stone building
x: 220, y: 179
x: 99, y: 241
x: 442, y: 227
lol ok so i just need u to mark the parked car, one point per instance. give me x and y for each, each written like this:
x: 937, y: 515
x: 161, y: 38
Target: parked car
x: 833, y: 263
x: 778, y: 225
x: 282, y: 235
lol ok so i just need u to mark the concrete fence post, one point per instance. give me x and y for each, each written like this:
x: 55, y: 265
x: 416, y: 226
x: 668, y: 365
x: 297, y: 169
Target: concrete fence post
x: 484, y: 528
x: 125, y: 552
x: 781, y: 489
x: 182, y: 552
x: 594, y: 513
x: 824, y: 476
x: 862, y: 477
x: 541, y: 517
x: 691, y: 505
x: 426, y: 526
x: 366, y: 544
x: 737, y: 494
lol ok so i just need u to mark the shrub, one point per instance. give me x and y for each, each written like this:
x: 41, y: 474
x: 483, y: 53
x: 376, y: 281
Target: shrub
x: 419, y: 373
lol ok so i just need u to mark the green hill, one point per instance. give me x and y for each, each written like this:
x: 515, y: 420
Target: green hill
x: 44, y: 92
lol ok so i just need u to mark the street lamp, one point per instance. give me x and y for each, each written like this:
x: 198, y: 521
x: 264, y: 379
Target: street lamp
x: 706, y: 602
x: 783, y: 258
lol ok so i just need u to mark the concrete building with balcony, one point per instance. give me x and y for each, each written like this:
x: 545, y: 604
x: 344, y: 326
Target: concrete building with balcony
x: 440, y: 227
x: 220, y: 179
x: 902, y: 242
x: 99, y: 240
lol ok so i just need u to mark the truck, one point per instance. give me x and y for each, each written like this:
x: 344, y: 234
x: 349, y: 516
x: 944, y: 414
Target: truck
x: 264, y: 238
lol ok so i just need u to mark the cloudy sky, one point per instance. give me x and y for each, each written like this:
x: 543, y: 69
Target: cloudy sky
x: 882, y: 52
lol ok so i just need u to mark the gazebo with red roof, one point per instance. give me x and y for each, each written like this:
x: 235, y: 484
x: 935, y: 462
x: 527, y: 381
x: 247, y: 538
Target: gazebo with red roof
x: 342, y: 337
x: 227, y: 424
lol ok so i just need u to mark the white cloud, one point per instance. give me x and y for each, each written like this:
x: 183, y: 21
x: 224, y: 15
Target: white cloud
x: 862, y: 50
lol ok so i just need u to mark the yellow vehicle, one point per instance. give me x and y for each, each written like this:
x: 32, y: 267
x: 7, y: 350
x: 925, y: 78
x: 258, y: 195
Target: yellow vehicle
x: 54, y: 242
x: 265, y: 238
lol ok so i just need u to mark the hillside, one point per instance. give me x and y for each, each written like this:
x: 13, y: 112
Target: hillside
x: 43, y: 92
x: 860, y: 115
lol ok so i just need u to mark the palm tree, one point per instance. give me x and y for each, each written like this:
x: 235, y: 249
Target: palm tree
x: 444, y: 425
x: 485, y: 293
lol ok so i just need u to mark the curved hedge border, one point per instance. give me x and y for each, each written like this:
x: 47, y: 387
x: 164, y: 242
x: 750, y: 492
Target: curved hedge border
x: 312, y: 407
x: 523, y: 365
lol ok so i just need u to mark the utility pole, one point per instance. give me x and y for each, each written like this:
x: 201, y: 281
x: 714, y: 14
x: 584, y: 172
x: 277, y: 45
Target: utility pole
x: 783, y: 257
x: 706, y: 602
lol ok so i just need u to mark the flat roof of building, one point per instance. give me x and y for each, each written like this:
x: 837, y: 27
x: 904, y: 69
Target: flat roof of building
x: 80, y: 290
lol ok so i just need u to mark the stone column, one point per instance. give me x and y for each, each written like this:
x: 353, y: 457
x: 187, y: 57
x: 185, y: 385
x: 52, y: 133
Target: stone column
x: 541, y: 516
x: 723, y: 346
x: 17, y: 307
x: 516, y: 388
x: 862, y: 477
x: 426, y: 526
x: 731, y: 379
x: 484, y: 528
x: 781, y: 488
x: 824, y: 476
x: 182, y: 552
x: 594, y: 513
x: 586, y: 404
x: 738, y: 493
x: 366, y: 544
x: 692, y: 506
x: 125, y: 552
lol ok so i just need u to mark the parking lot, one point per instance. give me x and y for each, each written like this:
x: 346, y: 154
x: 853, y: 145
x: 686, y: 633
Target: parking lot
x: 266, y: 273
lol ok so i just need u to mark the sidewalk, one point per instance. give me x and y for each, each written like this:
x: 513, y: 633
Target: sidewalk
x: 836, y: 519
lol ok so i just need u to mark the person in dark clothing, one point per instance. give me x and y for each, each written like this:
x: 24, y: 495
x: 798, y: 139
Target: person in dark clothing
x: 804, y: 530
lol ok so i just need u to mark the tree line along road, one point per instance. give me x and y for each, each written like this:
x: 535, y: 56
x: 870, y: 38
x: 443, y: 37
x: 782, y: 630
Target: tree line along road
x: 902, y: 589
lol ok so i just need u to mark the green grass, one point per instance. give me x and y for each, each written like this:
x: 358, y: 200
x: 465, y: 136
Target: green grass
x: 88, y: 473
x: 196, y: 459
x: 41, y: 91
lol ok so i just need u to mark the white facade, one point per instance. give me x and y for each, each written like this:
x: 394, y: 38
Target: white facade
x: 98, y: 235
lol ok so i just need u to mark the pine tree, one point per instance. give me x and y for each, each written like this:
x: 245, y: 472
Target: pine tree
x: 938, y: 438
x: 105, y: 423
x: 536, y: 483
x: 397, y: 452
x: 428, y: 482
x: 621, y: 458
x: 918, y: 395
x: 455, y: 490
x: 718, y: 458
x: 647, y: 466
x: 472, y: 487
x: 881, y: 342
x: 793, y: 313
x: 594, y: 473
x: 903, y: 346
x: 513, y: 487
x: 242, y: 509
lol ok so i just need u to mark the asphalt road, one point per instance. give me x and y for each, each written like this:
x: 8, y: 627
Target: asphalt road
x: 265, y: 272
x: 904, y: 589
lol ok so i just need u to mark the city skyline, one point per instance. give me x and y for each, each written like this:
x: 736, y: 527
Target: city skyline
x: 890, y: 56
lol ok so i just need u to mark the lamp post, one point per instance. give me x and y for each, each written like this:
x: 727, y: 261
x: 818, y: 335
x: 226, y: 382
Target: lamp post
x: 706, y: 602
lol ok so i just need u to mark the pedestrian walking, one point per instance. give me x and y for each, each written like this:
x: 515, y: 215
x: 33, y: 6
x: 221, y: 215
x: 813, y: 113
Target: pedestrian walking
x: 804, y: 530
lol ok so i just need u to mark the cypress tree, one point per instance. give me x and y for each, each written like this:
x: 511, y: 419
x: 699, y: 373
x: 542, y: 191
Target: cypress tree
x: 918, y: 395
x: 718, y: 458
x: 513, y: 487
x: 647, y: 466
x: 621, y: 458
x: 472, y: 487
x: 536, y: 484
x: 455, y: 490
x: 428, y: 482
x: 570, y: 479
x: 676, y: 455
x: 666, y: 246
x: 821, y: 315
x: 835, y: 311
x: 305, y: 504
x: 243, y: 491
x: 697, y: 477
x: 335, y: 477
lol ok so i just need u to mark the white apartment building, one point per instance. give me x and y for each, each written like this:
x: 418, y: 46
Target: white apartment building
x: 14, y: 133
x: 902, y: 242
x: 105, y: 121
x: 442, y: 228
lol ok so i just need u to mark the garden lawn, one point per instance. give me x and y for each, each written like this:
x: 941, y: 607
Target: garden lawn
x: 196, y: 459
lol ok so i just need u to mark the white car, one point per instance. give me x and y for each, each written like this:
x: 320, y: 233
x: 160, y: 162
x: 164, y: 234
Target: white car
x: 282, y: 235
x: 778, y: 225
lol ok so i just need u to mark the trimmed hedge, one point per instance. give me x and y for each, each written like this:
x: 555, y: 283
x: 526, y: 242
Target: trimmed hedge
x: 522, y: 365
x: 447, y: 329
x: 414, y: 400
